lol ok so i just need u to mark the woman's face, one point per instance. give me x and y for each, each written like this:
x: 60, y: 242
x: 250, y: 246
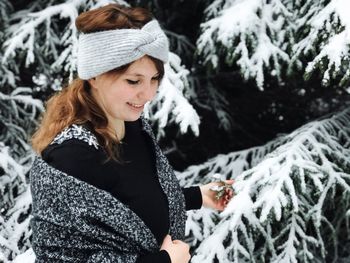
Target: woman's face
x: 123, y: 97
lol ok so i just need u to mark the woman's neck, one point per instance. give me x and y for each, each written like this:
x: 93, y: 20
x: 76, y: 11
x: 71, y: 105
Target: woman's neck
x: 118, y: 127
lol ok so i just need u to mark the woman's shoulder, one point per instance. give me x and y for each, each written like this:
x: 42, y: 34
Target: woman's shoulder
x: 75, y: 143
x: 69, y: 147
x: 74, y: 153
x: 74, y: 134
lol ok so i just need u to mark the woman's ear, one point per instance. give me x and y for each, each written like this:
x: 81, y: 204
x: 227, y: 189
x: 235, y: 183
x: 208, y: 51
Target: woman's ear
x: 92, y: 82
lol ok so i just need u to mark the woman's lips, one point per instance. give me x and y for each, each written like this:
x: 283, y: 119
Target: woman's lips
x: 136, y: 106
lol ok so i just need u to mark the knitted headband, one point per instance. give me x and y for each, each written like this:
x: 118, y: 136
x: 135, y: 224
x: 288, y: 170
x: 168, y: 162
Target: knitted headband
x: 103, y: 51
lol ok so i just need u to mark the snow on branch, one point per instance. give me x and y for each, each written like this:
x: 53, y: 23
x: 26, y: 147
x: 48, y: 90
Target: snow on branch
x: 15, y: 227
x: 170, y: 100
x: 15, y: 200
x: 26, y: 257
x: 229, y: 165
x: 19, y: 109
x: 5, y: 9
x: 288, y: 204
x: 329, y: 38
x: 273, y: 38
x: 25, y: 34
x: 38, y: 32
x: 201, y: 222
x: 12, y: 176
x: 10, y: 167
x: 20, y: 99
x: 249, y: 33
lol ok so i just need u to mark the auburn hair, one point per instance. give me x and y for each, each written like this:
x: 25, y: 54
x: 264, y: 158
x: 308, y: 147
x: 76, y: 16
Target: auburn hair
x: 74, y: 104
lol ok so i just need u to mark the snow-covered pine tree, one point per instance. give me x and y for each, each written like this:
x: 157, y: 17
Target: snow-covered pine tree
x: 292, y: 201
x: 235, y: 32
x: 200, y: 223
x: 172, y: 102
x: 324, y: 40
x: 273, y: 38
x: 18, y: 113
x: 252, y: 35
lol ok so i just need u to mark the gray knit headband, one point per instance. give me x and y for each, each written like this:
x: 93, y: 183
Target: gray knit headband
x: 103, y: 51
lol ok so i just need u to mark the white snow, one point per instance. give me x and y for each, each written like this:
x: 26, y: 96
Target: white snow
x: 250, y: 39
x: 332, y: 46
x: 171, y: 101
x: 269, y: 37
x: 288, y: 184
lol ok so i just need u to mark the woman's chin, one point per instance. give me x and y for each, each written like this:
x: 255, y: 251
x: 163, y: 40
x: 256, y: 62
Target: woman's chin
x: 133, y: 117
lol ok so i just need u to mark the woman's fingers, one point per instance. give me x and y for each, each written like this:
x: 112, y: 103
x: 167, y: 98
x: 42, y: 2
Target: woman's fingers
x: 229, y: 192
x: 221, y: 203
x: 228, y: 196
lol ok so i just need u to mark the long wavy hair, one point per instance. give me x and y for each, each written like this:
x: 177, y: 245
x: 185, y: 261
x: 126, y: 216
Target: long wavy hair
x: 74, y: 104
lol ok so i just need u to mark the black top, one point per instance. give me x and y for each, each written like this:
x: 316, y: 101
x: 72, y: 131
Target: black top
x: 135, y: 182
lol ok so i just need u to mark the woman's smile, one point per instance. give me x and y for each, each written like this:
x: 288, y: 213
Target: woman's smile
x: 136, y: 106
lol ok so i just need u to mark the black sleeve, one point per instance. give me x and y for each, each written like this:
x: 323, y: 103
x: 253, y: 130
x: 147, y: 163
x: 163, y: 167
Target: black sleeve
x: 193, y: 197
x: 159, y: 257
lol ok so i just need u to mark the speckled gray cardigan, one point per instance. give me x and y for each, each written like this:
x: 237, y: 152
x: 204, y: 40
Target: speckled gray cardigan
x: 74, y: 221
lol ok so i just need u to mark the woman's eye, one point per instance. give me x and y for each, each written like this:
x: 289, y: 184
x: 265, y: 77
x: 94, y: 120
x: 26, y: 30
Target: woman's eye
x: 132, y: 82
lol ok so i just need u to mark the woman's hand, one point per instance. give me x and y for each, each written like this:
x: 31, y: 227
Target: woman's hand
x: 209, y: 196
x: 178, y: 250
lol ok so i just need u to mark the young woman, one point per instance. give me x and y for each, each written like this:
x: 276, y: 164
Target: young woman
x: 102, y: 189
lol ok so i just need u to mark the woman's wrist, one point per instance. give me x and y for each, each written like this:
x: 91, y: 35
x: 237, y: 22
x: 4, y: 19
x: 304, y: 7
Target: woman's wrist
x: 193, y: 197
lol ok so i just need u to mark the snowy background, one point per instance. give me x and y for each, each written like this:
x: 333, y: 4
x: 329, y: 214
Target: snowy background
x: 257, y: 90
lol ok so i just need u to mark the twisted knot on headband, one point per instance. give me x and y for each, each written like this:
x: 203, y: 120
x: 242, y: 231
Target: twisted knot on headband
x: 103, y: 51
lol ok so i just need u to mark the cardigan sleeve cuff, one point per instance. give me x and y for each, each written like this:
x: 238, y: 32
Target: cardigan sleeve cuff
x: 161, y: 256
x: 193, y: 197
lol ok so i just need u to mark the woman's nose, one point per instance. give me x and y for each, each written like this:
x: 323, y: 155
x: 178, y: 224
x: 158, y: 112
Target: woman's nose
x: 149, y: 91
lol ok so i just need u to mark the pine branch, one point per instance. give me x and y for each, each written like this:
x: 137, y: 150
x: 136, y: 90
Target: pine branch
x: 171, y: 101
x: 248, y: 34
x: 328, y: 39
x: 273, y: 38
x: 293, y: 187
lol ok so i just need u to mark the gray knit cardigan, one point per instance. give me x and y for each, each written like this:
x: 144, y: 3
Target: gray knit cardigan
x: 74, y: 221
